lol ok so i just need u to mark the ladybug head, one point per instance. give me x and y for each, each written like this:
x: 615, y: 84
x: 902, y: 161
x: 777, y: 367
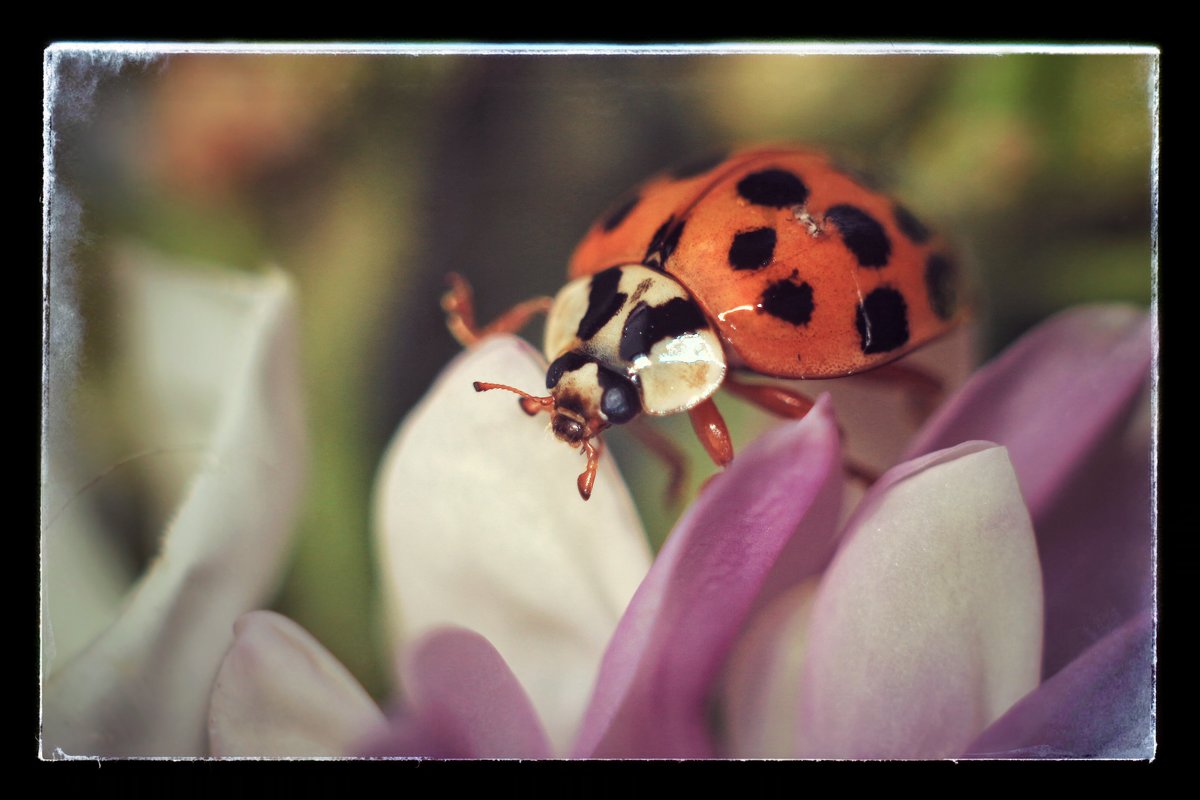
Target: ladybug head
x: 567, y: 426
x: 591, y: 393
x: 585, y: 398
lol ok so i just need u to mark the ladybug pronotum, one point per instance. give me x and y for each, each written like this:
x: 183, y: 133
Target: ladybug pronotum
x: 771, y: 260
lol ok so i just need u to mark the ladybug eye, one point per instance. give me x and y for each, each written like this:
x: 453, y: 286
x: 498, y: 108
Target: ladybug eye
x: 619, y: 403
x: 619, y: 398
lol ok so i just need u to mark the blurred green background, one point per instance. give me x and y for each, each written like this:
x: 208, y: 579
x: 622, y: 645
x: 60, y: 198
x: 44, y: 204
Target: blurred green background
x: 369, y: 177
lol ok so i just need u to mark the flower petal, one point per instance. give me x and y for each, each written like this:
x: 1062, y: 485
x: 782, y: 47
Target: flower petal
x: 279, y: 693
x: 480, y: 525
x: 462, y: 702
x: 1101, y: 705
x: 762, y: 681
x: 1051, y: 396
x: 1096, y: 544
x: 222, y: 345
x: 763, y: 525
x: 1061, y: 400
x: 927, y: 625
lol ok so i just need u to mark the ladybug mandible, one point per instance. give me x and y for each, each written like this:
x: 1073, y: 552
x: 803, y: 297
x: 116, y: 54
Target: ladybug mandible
x: 771, y: 260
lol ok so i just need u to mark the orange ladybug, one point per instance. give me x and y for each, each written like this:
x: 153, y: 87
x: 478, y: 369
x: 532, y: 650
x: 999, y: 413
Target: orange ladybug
x: 770, y: 260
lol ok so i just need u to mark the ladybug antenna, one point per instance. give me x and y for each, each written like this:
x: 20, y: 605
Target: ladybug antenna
x: 529, y: 403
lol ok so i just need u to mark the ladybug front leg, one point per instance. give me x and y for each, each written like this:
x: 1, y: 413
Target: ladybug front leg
x: 459, y: 305
x: 714, y: 435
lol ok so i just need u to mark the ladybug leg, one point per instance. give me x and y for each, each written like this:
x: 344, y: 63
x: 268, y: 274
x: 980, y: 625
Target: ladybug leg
x: 587, y: 479
x: 665, y: 449
x: 924, y: 390
x: 792, y: 405
x: 519, y: 315
x: 459, y: 304
x: 775, y: 399
x: 710, y: 428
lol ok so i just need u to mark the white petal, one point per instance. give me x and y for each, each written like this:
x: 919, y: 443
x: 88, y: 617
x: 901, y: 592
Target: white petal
x: 480, y: 525
x: 280, y: 693
x: 928, y: 624
x: 214, y: 357
x: 762, y: 680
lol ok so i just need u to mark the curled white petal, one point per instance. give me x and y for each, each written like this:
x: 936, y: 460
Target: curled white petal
x: 928, y: 624
x: 213, y: 359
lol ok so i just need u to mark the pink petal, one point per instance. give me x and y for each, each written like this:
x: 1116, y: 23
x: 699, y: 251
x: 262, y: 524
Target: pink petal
x: 1096, y: 545
x: 480, y: 525
x: 279, y: 693
x: 1060, y: 400
x: 1101, y: 705
x: 927, y: 625
x: 462, y: 702
x: 775, y: 508
x: 1051, y: 396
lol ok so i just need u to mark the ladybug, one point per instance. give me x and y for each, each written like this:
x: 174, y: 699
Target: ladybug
x: 771, y: 260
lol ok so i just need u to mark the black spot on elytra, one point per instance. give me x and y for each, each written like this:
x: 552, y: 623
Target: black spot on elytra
x: 752, y: 249
x: 697, y: 166
x: 604, y: 301
x: 567, y: 362
x: 649, y: 324
x: 910, y: 226
x: 789, y: 301
x: 620, y: 213
x: 776, y: 188
x: 619, y: 399
x: 657, y: 239
x: 863, y: 234
x: 663, y: 243
x: 882, y: 321
x: 941, y: 281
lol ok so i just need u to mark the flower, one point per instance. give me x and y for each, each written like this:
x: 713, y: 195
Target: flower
x: 210, y: 371
x: 933, y: 623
